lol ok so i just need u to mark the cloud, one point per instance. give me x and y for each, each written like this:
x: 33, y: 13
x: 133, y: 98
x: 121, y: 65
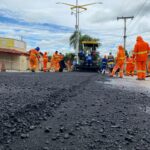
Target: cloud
x: 49, y: 25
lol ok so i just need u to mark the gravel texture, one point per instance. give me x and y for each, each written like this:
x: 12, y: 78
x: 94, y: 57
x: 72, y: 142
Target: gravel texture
x: 71, y: 111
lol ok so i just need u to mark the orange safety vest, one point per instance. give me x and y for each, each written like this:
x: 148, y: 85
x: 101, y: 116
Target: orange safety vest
x: 33, y: 54
x: 141, y: 50
x: 121, y: 55
x: 45, y: 58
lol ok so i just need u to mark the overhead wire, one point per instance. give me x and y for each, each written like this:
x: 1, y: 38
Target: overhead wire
x: 134, y: 22
x: 121, y: 39
x: 144, y: 32
x: 137, y: 20
x: 131, y: 23
x: 125, y: 4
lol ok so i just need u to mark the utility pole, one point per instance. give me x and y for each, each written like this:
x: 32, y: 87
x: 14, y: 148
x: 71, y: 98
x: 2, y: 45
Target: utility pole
x: 125, y: 28
x: 21, y: 38
x: 77, y: 10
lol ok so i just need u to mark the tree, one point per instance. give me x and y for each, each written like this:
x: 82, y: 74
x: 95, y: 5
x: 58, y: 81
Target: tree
x: 86, y: 38
x: 82, y: 38
x: 49, y: 58
x: 73, y: 39
x: 69, y: 56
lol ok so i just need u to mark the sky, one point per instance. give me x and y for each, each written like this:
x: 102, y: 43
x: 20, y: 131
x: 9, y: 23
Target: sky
x: 49, y: 25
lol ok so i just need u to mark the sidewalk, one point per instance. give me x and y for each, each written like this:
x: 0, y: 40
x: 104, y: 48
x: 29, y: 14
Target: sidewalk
x: 131, y: 84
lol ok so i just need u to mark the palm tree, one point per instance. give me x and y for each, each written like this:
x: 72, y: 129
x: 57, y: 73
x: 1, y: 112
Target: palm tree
x: 73, y: 39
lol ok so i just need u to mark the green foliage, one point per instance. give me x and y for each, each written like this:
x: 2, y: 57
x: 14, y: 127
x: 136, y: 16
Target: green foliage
x: 49, y: 58
x: 73, y: 39
x: 96, y: 56
x: 69, y: 56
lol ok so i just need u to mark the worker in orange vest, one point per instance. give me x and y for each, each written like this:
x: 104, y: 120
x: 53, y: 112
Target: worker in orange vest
x: 45, y: 61
x: 149, y: 66
x: 55, y: 61
x: 33, y: 58
x: 141, y: 51
x: 130, y: 65
x: 119, y: 62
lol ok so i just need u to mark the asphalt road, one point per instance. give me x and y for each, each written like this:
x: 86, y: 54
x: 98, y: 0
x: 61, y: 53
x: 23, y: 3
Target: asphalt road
x: 71, y: 111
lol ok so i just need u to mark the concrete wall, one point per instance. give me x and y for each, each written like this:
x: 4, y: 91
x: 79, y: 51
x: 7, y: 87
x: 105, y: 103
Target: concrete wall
x: 23, y: 63
x: 14, y: 62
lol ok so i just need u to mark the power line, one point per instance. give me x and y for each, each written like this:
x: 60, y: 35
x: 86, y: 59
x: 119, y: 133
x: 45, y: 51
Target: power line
x: 125, y: 4
x: 138, y: 13
x: 138, y: 33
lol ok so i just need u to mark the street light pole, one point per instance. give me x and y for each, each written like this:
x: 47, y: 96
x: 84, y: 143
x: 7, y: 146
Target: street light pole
x: 77, y: 12
x: 77, y: 31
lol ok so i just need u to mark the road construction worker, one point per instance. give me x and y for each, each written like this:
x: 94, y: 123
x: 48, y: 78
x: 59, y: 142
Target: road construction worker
x: 141, y: 51
x: 104, y: 64
x: 110, y: 62
x: 149, y: 67
x: 61, y: 62
x: 99, y: 65
x: 89, y: 59
x: 34, y: 57
x: 130, y: 65
x: 74, y: 64
x: 45, y: 61
x: 55, y: 61
x: 120, y: 59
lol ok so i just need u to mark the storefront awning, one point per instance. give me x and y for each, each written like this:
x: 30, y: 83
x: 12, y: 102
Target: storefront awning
x: 12, y: 51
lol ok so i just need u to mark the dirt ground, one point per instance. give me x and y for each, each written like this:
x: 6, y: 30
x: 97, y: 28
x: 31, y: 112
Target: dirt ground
x: 73, y: 111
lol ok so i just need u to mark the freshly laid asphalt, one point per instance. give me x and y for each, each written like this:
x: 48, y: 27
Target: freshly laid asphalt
x: 73, y: 111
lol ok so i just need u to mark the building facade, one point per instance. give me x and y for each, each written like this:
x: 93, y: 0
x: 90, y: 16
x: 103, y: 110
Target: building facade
x: 13, y: 54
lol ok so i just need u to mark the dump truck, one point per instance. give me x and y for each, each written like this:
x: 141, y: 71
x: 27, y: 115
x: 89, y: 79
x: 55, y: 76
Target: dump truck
x: 88, y: 56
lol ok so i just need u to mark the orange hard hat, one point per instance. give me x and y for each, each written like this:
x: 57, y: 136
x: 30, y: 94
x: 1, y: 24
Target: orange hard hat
x: 139, y: 38
x: 120, y: 47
